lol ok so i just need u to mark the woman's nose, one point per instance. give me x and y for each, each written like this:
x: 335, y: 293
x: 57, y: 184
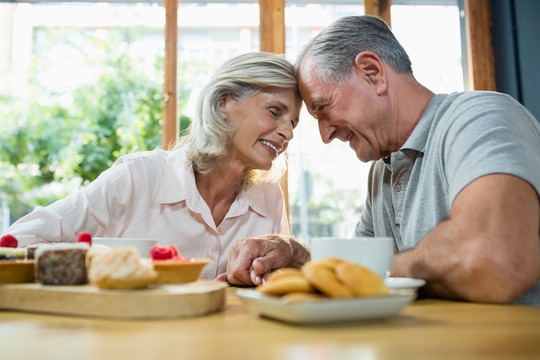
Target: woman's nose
x: 286, y: 130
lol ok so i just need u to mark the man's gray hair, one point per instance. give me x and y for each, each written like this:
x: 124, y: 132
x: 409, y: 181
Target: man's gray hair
x: 335, y: 48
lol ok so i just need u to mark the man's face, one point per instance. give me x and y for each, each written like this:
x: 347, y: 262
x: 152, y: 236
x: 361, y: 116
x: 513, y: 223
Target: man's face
x: 351, y: 112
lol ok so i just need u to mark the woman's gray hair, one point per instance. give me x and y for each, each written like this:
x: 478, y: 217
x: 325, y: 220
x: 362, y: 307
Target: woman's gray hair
x: 335, y: 48
x: 241, y: 77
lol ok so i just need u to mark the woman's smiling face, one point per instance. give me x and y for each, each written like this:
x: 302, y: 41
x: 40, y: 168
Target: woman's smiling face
x: 263, y: 125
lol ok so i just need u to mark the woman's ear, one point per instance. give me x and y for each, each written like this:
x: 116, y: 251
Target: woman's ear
x: 222, y: 101
x: 223, y: 106
x: 371, y: 68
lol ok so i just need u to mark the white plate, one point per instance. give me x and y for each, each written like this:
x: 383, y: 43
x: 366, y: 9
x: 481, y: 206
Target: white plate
x: 325, y: 311
x: 399, y: 283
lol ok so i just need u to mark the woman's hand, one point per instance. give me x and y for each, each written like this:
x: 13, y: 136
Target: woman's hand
x: 251, y: 260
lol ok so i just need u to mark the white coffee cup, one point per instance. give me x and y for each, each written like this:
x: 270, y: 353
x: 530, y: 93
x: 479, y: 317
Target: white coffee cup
x: 375, y: 253
x: 142, y: 245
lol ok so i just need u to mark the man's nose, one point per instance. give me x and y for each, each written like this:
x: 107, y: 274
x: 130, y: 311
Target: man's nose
x: 328, y: 132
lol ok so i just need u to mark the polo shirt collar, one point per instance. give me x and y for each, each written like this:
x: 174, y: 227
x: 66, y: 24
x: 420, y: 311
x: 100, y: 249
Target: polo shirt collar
x: 418, y: 138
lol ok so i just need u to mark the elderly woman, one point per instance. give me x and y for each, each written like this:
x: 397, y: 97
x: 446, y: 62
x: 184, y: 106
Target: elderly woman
x: 218, y: 185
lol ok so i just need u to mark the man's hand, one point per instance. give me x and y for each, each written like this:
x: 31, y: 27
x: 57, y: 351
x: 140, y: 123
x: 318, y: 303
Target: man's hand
x: 252, y: 259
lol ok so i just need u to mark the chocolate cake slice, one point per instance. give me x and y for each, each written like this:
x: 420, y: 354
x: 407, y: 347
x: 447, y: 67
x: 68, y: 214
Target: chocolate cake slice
x: 61, y: 264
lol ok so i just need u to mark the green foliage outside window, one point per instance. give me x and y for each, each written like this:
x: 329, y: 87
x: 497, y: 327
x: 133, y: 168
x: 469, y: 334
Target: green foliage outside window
x: 68, y: 146
x: 50, y: 147
x: 121, y: 115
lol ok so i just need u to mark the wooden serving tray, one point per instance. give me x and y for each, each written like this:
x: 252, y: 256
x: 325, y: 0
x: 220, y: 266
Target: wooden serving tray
x: 161, y: 301
x: 18, y: 271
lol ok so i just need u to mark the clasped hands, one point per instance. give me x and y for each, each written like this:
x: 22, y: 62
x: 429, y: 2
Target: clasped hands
x: 251, y: 260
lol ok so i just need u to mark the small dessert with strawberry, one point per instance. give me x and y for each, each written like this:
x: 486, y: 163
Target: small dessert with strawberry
x: 14, y: 268
x: 9, y: 249
x: 172, y: 267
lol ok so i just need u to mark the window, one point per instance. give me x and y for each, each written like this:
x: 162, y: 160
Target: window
x: 53, y: 54
x: 80, y: 84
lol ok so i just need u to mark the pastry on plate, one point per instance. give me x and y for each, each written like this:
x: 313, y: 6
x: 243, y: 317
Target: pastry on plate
x: 121, y: 268
x: 325, y: 278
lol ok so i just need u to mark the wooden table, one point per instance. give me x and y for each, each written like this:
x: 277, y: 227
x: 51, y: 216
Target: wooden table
x: 426, y: 329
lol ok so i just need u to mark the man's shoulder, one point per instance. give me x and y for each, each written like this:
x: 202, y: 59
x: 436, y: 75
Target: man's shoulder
x: 481, y: 109
x: 480, y: 101
x: 479, y: 95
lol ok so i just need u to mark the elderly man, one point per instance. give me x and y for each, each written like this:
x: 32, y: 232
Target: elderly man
x: 455, y: 178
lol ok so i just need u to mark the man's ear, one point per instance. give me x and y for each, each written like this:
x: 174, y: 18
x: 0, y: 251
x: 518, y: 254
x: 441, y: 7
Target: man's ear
x: 371, y: 68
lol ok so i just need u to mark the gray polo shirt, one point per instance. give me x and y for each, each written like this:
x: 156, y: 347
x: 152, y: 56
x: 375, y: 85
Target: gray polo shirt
x: 460, y: 137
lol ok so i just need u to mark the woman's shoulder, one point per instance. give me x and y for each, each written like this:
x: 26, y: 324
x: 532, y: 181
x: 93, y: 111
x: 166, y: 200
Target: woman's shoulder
x: 150, y: 165
x: 156, y: 155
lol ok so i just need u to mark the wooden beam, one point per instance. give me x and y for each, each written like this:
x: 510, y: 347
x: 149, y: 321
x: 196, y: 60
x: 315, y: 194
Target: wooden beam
x: 272, y: 39
x: 170, y: 121
x: 479, y: 43
x: 272, y: 26
x: 379, y: 8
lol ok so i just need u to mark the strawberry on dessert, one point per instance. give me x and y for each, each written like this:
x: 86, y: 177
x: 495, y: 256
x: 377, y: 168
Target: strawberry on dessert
x: 169, y: 252
x: 85, y: 237
x: 9, y: 241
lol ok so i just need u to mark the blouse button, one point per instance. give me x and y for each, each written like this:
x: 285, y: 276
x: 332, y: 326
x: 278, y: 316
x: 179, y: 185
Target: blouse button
x: 397, y: 187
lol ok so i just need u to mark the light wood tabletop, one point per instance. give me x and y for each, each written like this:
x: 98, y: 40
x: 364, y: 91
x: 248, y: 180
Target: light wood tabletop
x: 425, y: 329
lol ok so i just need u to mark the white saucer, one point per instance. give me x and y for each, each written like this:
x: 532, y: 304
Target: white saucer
x: 400, y: 283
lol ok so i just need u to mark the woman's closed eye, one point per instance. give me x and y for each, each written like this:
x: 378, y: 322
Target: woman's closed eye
x: 275, y: 112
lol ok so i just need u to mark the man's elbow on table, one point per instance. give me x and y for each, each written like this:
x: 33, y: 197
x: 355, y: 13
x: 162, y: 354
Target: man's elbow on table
x: 499, y: 278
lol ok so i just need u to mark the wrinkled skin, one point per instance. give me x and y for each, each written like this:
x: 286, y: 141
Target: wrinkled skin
x: 251, y: 260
